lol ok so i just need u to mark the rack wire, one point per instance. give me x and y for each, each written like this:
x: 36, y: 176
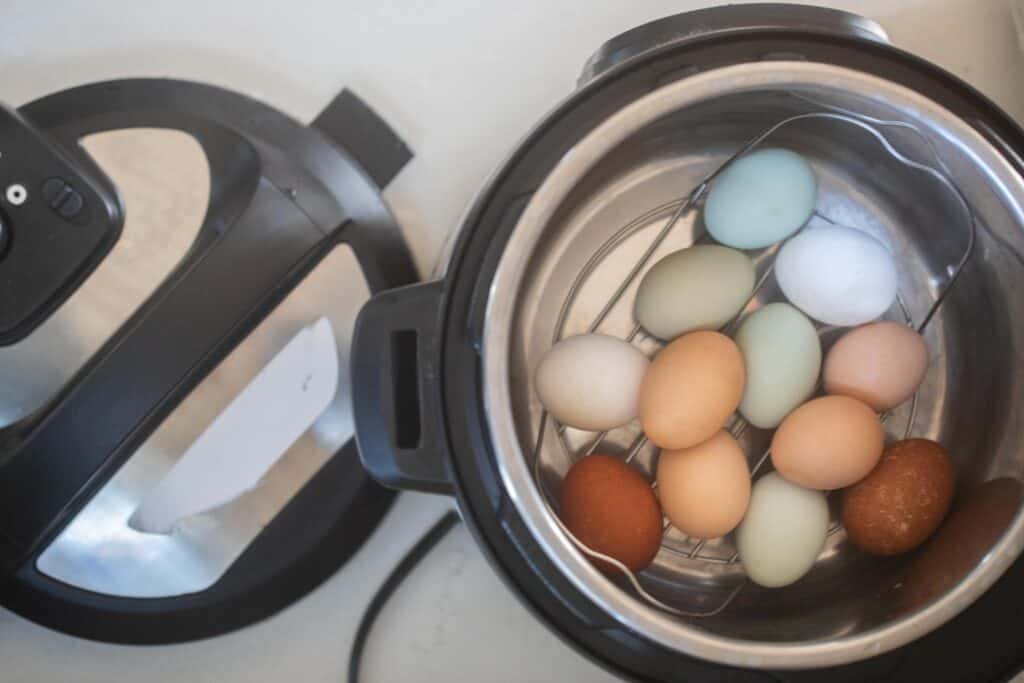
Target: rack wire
x: 673, y: 212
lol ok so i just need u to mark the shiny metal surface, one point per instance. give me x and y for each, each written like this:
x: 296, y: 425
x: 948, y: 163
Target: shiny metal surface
x: 98, y: 550
x: 164, y: 183
x: 650, y: 154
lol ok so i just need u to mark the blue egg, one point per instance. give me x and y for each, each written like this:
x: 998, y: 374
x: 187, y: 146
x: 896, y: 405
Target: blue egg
x: 761, y: 198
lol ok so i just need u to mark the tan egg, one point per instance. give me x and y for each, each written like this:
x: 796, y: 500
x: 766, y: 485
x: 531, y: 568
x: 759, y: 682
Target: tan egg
x: 881, y: 364
x: 704, y: 490
x: 690, y: 389
x: 828, y: 443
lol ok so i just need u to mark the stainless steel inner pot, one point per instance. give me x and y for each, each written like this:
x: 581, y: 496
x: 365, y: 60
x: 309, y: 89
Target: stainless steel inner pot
x: 850, y: 606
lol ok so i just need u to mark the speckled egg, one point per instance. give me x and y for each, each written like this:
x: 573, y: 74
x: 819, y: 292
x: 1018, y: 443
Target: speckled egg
x: 902, y: 501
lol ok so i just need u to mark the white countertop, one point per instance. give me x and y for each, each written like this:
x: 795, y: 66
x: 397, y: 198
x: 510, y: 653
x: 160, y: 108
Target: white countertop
x: 461, y: 81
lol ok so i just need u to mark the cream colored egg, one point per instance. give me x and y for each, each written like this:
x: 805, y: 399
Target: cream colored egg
x: 591, y: 381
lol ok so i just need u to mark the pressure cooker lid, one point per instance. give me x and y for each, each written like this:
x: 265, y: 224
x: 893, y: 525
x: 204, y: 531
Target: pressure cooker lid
x: 175, y: 416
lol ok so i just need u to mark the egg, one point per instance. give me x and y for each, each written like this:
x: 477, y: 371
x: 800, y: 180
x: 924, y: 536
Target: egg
x: 691, y: 388
x: 783, y: 531
x: 837, y: 275
x: 698, y: 288
x: 828, y: 443
x: 591, y: 381
x: 881, y: 364
x: 782, y: 355
x: 704, y: 489
x: 902, y: 501
x: 610, y: 508
x: 761, y: 198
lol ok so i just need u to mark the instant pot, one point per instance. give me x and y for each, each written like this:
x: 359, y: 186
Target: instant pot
x: 442, y: 371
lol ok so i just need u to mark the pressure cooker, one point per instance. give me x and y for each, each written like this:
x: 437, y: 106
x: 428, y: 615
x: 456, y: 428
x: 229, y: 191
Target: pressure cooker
x: 442, y: 371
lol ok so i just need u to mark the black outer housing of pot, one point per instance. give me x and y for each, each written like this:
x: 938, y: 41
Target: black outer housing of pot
x: 454, y: 452
x: 282, y: 196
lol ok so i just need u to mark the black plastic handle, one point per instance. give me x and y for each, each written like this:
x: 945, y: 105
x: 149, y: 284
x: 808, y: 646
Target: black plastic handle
x: 396, y: 389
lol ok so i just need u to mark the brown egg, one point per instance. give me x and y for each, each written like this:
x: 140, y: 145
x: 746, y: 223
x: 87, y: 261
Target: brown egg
x: 704, y: 489
x: 690, y: 389
x: 610, y: 508
x: 828, y: 443
x: 975, y: 523
x: 881, y: 364
x: 902, y: 501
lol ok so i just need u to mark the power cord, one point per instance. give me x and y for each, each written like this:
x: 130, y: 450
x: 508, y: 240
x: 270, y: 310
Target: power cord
x: 391, y: 584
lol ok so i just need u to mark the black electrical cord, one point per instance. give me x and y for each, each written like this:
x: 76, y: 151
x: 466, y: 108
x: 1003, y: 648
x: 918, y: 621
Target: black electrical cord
x: 391, y: 584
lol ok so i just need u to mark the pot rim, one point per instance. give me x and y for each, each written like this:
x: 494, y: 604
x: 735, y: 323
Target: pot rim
x: 512, y: 461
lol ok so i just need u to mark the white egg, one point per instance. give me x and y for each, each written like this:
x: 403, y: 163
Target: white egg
x: 783, y: 531
x: 698, y: 288
x: 783, y: 358
x: 591, y: 381
x: 837, y: 275
x: 761, y: 198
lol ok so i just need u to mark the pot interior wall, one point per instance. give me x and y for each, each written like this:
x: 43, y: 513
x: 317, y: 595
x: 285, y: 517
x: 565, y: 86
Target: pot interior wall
x: 970, y: 400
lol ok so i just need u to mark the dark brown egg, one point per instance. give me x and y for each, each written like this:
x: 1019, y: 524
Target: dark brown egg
x: 902, y: 500
x: 610, y: 508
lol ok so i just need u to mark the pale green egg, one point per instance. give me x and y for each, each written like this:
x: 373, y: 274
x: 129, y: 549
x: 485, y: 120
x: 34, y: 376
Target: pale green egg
x: 783, y: 531
x: 698, y: 288
x: 783, y: 358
